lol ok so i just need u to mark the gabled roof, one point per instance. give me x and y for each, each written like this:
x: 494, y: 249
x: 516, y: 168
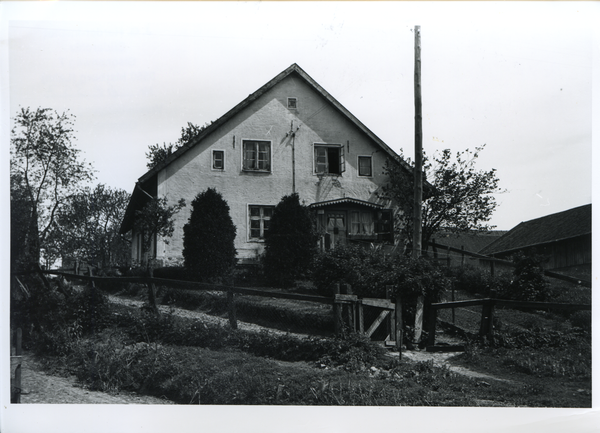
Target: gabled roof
x: 148, y: 181
x: 551, y: 228
x: 293, y: 69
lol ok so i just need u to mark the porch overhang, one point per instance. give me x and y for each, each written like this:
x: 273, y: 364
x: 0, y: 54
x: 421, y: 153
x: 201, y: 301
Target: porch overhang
x: 345, y: 201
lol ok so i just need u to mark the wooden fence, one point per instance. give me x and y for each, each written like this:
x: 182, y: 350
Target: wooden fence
x: 493, y: 260
x: 348, y: 309
x: 486, y: 328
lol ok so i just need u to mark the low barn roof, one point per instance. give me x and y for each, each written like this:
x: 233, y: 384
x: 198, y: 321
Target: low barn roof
x: 551, y: 228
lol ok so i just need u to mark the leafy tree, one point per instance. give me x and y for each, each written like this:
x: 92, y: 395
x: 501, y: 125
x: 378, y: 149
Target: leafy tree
x: 460, y: 197
x: 45, y: 170
x: 208, y: 237
x: 290, y: 242
x: 24, y: 239
x: 155, y: 220
x: 157, y: 153
x: 87, y: 226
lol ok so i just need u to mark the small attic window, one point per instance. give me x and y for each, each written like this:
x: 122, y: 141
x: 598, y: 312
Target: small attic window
x: 292, y: 103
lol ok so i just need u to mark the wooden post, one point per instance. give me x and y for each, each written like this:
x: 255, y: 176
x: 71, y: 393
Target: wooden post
x: 418, y: 177
x: 349, y: 309
x: 490, y: 328
x: 453, y: 310
x: 91, y: 275
x: 418, y: 169
x: 398, y: 314
x: 231, y: 308
x: 431, y: 327
x: 485, y: 316
x: 18, y: 380
x: 361, y: 318
x: 391, y: 323
x: 419, y: 320
x: 151, y: 291
x: 462, y: 255
x: 448, y: 256
x: 337, y: 312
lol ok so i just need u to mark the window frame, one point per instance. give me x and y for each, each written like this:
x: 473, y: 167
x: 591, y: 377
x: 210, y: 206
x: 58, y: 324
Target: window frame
x: 292, y: 98
x: 212, y: 161
x: 358, y: 167
x: 261, y: 218
x: 246, y: 141
x: 341, y: 159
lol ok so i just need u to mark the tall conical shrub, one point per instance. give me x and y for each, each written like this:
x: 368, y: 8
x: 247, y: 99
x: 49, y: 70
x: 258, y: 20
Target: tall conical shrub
x: 290, y: 243
x: 208, y: 237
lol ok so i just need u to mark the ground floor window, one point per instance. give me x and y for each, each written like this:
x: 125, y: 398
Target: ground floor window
x: 362, y: 223
x: 259, y: 220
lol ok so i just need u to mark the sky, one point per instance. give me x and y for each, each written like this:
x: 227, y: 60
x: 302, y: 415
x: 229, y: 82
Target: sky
x: 514, y: 76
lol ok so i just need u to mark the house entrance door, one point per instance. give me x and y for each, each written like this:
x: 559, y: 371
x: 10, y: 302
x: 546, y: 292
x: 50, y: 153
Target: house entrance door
x: 337, y: 228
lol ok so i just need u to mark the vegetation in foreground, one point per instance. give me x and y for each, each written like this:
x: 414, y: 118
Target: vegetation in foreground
x: 113, y: 348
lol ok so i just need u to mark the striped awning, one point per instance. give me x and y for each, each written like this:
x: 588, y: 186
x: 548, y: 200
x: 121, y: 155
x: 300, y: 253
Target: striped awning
x: 345, y: 200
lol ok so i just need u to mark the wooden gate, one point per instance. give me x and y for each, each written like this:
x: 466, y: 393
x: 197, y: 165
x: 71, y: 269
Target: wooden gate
x: 349, y: 312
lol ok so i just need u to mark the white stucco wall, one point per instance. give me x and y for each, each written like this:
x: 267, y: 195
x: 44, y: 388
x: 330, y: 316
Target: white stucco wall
x: 268, y: 118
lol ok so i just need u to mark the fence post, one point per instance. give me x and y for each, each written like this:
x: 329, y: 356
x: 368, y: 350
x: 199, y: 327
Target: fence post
x: 431, y: 327
x: 17, y: 396
x: 337, y: 311
x: 361, y: 317
x: 91, y: 275
x: 231, y: 308
x: 398, y: 314
x: 350, y: 310
x: 391, y: 323
x: 453, y: 310
x: 418, y: 320
x: 462, y: 255
x: 448, y: 256
x: 490, y: 328
x: 486, y: 310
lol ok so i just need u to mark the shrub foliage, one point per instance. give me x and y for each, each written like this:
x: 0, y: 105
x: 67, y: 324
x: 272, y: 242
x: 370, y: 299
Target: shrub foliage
x: 290, y: 242
x: 208, y: 236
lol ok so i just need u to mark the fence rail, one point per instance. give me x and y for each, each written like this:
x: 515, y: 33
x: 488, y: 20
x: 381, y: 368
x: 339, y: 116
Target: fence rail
x: 493, y: 260
x: 348, y: 309
x: 487, y: 312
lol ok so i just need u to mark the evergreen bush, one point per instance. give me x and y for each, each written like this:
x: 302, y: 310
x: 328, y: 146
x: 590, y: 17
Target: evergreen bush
x: 290, y: 242
x: 208, y: 237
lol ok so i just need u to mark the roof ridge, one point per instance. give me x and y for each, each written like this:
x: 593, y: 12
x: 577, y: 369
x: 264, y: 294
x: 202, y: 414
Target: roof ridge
x: 294, y: 67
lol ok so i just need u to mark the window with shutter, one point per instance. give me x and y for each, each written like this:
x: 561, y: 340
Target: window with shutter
x: 329, y: 159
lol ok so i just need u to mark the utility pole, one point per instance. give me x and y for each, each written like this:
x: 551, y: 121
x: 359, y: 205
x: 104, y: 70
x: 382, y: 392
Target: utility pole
x: 418, y: 170
x: 418, y: 173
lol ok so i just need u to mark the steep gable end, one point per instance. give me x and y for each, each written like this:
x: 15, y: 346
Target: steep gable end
x: 293, y: 69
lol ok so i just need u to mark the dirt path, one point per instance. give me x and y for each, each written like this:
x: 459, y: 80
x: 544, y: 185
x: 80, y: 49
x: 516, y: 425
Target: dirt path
x: 439, y: 359
x: 39, y: 387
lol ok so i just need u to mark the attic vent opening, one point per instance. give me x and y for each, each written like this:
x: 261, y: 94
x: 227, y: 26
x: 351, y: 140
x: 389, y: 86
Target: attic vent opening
x: 292, y: 103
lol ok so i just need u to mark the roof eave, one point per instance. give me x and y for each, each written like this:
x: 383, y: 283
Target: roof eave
x: 294, y: 68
